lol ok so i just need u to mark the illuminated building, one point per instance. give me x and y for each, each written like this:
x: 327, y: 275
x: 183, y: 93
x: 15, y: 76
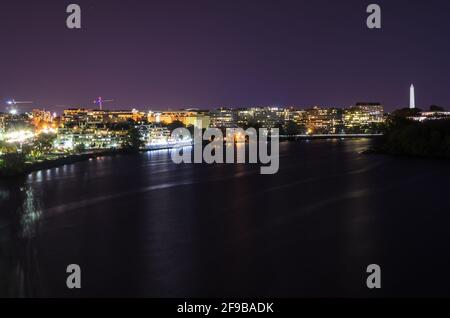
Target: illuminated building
x: 201, y: 120
x: 77, y: 117
x: 19, y: 136
x: 168, y: 117
x: 320, y: 120
x: 266, y: 117
x: 82, y: 117
x: 39, y: 115
x: 431, y: 115
x: 91, y: 137
x: 123, y: 115
x: 107, y: 135
x: 16, y: 128
x: 154, y: 135
x: 223, y: 118
x: 363, y: 116
x: 42, y: 120
x: 244, y: 116
x: 187, y: 117
x: 10, y: 121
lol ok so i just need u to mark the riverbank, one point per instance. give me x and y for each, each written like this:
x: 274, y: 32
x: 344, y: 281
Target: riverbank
x: 328, y: 136
x: 407, y: 138
x: 52, y: 163
x: 65, y: 159
x: 73, y: 158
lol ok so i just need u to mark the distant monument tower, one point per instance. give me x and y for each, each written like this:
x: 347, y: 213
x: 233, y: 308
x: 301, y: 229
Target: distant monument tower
x: 412, y: 97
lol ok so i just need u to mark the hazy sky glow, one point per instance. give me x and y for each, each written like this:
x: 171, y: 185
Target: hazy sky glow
x: 178, y: 53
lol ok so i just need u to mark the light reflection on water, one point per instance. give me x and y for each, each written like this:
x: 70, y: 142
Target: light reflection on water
x: 149, y: 227
x: 19, y: 268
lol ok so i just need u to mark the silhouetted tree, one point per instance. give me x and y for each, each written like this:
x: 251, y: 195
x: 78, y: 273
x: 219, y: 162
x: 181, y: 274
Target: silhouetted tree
x: 80, y: 148
x: 407, y: 137
x: 406, y: 112
x: 12, y: 163
x: 43, y: 145
x: 291, y: 128
x: 133, y: 141
x: 435, y: 108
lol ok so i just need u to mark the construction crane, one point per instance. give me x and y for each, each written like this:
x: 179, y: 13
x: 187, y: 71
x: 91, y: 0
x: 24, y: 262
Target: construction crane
x: 13, y: 103
x: 99, y: 101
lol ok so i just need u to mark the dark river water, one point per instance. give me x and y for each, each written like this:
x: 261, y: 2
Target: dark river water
x: 140, y: 225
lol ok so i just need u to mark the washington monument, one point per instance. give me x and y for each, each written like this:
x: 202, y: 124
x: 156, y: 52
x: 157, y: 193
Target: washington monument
x: 412, y: 97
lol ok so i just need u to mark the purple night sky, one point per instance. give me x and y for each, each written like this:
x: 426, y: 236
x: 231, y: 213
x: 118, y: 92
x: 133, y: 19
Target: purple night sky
x: 179, y: 53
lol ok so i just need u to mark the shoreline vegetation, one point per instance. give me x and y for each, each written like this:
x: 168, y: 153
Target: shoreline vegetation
x: 17, y: 166
x: 406, y: 137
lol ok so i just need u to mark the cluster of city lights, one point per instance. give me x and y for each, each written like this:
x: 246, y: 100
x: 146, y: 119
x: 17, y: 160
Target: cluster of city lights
x: 20, y: 136
x: 48, y: 130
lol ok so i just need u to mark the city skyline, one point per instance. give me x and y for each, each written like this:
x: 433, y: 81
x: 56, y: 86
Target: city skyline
x: 179, y: 55
x: 12, y: 106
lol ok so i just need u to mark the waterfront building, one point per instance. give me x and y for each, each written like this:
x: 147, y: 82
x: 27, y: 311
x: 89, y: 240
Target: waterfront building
x: 320, y: 120
x: 108, y: 135
x: 363, y: 117
x: 153, y: 135
x: 90, y: 137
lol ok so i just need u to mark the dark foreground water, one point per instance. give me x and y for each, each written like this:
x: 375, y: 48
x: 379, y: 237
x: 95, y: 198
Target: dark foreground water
x: 140, y: 225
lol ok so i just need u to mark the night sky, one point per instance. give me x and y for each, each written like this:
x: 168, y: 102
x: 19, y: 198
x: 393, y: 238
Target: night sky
x: 189, y: 53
